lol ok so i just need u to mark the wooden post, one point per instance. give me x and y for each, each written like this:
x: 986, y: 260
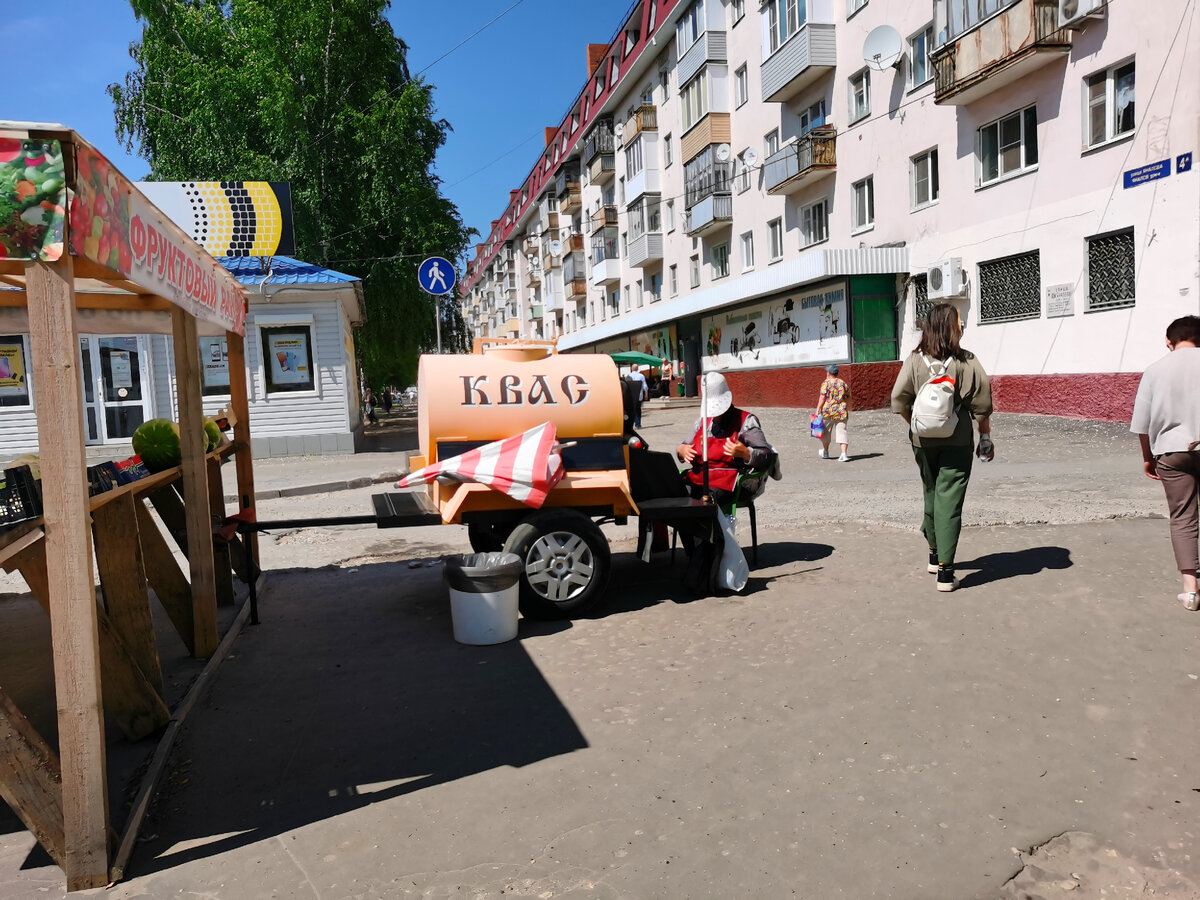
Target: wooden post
x: 222, y: 564
x: 195, y: 481
x: 165, y: 577
x: 58, y: 394
x: 243, y: 457
x: 29, y: 780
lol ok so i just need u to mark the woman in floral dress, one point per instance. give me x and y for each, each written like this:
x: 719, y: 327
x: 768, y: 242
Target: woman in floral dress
x: 833, y: 407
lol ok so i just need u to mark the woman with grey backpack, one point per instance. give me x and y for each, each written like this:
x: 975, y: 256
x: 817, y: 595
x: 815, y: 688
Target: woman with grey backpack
x: 940, y: 389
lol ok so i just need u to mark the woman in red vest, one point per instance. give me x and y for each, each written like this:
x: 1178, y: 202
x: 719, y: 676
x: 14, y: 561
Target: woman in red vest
x: 735, y: 439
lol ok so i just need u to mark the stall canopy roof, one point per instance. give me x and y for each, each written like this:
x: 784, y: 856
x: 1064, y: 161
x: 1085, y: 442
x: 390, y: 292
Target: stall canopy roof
x: 285, y: 273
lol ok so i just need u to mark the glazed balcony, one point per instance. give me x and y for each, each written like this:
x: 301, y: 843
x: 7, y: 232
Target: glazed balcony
x: 574, y: 268
x: 533, y: 279
x: 599, y: 142
x: 712, y: 212
x: 535, y: 312
x: 646, y: 249
x: 606, y: 264
x: 644, y: 118
x: 800, y: 61
x: 566, y: 187
x: 999, y: 51
x: 708, y: 48
x: 713, y: 128
x: 604, y: 217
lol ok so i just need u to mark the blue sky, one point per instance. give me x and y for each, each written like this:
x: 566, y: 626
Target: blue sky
x: 498, y: 91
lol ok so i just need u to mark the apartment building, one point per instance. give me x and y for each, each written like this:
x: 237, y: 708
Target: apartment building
x: 762, y: 188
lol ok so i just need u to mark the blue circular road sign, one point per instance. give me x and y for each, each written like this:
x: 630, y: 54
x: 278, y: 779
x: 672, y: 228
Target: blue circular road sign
x: 436, y: 275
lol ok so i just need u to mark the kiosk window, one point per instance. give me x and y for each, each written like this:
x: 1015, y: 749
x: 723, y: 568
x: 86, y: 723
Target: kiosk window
x: 287, y: 358
x: 214, y: 365
x: 14, y: 371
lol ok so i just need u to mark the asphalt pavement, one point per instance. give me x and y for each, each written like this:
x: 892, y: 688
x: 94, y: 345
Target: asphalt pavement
x: 840, y: 729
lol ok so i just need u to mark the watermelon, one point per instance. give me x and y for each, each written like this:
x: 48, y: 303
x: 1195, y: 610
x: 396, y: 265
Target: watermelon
x: 212, y: 435
x: 157, y: 442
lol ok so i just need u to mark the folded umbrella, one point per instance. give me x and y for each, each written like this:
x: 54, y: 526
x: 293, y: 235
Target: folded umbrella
x: 524, y: 467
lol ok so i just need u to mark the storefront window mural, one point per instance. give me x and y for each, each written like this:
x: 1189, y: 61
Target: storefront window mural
x: 796, y: 328
x: 660, y: 342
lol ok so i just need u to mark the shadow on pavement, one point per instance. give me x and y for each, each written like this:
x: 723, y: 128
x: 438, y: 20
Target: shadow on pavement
x: 351, y: 691
x: 998, y: 566
x: 396, y: 432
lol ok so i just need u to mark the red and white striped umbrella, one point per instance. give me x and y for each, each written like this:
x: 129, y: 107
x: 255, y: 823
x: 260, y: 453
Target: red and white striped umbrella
x: 524, y: 467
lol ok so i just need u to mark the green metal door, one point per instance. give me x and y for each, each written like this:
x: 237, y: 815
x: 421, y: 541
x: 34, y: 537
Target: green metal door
x: 873, y: 318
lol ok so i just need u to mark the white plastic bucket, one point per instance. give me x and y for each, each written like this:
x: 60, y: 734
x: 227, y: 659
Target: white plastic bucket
x: 484, y: 590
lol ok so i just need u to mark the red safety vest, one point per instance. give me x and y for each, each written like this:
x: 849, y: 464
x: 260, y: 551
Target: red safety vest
x: 723, y: 469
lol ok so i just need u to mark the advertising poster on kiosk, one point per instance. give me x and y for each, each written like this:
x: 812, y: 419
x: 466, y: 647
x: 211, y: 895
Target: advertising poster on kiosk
x: 797, y: 328
x: 14, y: 389
x: 287, y: 355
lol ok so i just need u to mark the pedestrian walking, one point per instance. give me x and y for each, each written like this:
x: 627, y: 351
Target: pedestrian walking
x: 833, y: 407
x: 643, y: 393
x: 1166, y: 419
x: 943, y: 383
x: 369, y: 406
x: 387, y: 401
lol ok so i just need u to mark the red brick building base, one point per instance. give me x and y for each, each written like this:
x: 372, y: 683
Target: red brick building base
x: 1104, y: 396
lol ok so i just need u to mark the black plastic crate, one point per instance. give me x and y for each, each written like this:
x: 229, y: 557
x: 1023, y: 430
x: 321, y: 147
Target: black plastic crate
x: 20, y: 497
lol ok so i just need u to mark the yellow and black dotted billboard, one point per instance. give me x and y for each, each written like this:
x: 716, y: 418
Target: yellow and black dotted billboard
x: 229, y: 218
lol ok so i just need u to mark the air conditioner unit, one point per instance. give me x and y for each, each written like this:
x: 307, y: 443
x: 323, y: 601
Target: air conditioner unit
x: 1076, y: 13
x: 945, y: 279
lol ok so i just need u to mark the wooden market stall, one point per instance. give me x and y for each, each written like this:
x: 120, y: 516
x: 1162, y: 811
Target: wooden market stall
x: 82, y: 249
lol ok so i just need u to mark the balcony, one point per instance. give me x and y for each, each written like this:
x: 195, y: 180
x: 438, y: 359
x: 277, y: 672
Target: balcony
x: 533, y: 279
x: 576, y: 289
x: 606, y: 264
x: 552, y: 302
x: 647, y: 249
x: 573, y: 244
x: 645, y: 118
x: 807, y: 55
x: 599, y: 142
x: 573, y: 268
x: 714, y: 211
x: 606, y: 271
x: 1020, y: 39
x: 711, y: 129
x: 603, y: 168
x: 535, y: 312
x: 566, y: 188
x: 709, y: 47
x: 549, y: 222
x: 603, y: 218
x: 550, y: 260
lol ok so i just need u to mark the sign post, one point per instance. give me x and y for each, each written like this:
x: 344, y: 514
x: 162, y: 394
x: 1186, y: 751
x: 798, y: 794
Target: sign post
x: 437, y: 277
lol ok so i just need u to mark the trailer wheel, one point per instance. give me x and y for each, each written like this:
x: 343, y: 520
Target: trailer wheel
x: 567, y: 562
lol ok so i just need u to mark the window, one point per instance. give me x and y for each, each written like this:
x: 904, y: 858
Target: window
x: 853, y: 6
x: 741, y: 178
x: 741, y: 87
x: 655, y: 287
x: 694, y: 97
x: 718, y: 257
x: 621, y: 191
x: 690, y: 27
x: 862, y: 208
x: 641, y: 294
x: 673, y: 280
x: 664, y: 82
x: 813, y: 117
x: 771, y: 143
x: 624, y: 244
x: 860, y: 96
x: 747, y: 251
x: 668, y: 153
x: 782, y: 19
x: 705, y: 175
x: 287, y: 362
x: 633, y: 158
x: 1010, y: 288
x: 775, y: 238
x: 738, y: 8
x: 628, y: 301
x: 963, y: 15
x: 14, y: 371
x: 644, y: 217
x: 923, y: 179
x: 695, y: 271
x: 1110, y: 270
x: 814, y: 223
x: 614, y: 302
x: 919, y: 68
x: 214, y: 367
x: 921, y: 302
x: 1108, y: 105
x: 670, y: 216
x: 1008, y: 146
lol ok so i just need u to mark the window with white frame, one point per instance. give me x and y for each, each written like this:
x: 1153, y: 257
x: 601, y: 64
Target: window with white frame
x: 923, y: 179
x: 741, y: 87
x: 718, y: 257
x: 775, y: 239
x: 673, y: 280
x: 668, y: 152
x: 694, y: 98
x: 1110, y: 269
x: 628, y: 299
x: 644, y: 217
x: 853, y: 6
x: 633, y: 157
x: 963, y: 15
x: 814, y: 223
x: 1010, y: 288
x: 860, y: 95
x: 621, y: 191
x: 670, y: 216
x: 1007, y: 146
x: 747, y: 251
x: 1108, y: 105
x: 689, y: 28
x: 781, y: 20
x: 695, y: 271
x: 654, y: 287
x: 614, y: 302
x: 741, y: 174
x: 920, y: 70
x: 664, y: 82
x: 738, y: 10
x: 813, y: 117
x: 640, y: 293
x: 862, y: 204
x: 770, y: 143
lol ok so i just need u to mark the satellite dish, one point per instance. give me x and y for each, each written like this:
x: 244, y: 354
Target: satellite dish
x: 555, y: 248
x: 723, y: 152
x: 617, y: 130
x: 750, y: 156
x: 883, y: 48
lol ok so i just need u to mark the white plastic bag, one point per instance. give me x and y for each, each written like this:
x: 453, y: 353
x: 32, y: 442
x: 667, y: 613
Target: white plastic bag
x: 733, y: 571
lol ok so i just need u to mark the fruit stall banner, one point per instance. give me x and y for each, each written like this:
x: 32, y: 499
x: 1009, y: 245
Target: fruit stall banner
x: 789, y: 329
x: 33, y: 196
x: 113, y: 225
x: 229, y: 218
x: 14, y: 389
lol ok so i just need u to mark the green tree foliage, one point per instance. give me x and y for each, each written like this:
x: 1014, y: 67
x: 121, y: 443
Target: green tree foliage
x: 316, y: 93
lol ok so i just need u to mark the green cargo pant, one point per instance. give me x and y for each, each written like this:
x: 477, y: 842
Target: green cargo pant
x: 945, y: 472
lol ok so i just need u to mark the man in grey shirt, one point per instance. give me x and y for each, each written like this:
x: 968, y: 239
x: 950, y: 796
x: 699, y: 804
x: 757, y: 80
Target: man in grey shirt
x: 1166, y: 419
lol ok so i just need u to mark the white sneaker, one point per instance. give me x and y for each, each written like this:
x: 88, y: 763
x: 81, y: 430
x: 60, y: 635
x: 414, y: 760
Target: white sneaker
x: 843, y: 458
x: 822, y: 454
